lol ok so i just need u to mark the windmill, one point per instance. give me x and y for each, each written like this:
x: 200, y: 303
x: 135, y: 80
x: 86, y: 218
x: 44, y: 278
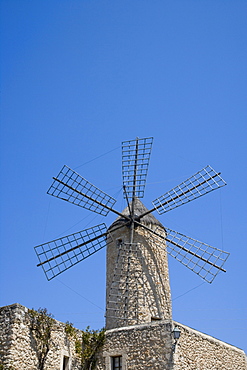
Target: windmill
x: 137, y: 288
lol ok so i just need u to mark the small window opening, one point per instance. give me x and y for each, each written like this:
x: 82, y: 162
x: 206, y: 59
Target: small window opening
x: 116, y: 363
x: 65, y: 363
x: 155, y: 318
x: 119, y: 242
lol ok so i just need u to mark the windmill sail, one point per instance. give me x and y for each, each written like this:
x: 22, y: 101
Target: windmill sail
x: 60, y: 254
x: 135, y: 162
x: 196, y: 186
x: 73, y: 188
x: 203, y: 259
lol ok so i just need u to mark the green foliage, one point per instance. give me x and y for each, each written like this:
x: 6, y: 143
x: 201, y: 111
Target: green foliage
x: 70, y: 330
x: 41, y: 323
x: 78, y: 348
x: 88, y: 346
x: 92, y: 342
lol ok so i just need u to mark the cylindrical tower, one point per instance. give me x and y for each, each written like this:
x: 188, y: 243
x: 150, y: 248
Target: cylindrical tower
x: 137, y: 284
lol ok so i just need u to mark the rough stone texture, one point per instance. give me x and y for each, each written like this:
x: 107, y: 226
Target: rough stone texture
x: 141, y: 347
x: 137, y: 286
x: 198, y: 351
x: 17, y: 347
x: 152, y: 347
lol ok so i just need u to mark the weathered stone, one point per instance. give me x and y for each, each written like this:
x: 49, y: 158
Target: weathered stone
x: 137, y: 284
x: 17, y: 349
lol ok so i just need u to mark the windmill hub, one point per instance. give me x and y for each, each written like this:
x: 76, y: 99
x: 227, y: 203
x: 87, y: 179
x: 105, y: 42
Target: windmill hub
x: 139, y: 210
x: 136, y: 218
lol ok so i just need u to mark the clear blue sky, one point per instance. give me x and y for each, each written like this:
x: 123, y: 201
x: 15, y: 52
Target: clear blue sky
x: 80, y: 77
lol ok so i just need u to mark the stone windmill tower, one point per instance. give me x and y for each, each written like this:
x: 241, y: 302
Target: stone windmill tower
x: 138, y: 289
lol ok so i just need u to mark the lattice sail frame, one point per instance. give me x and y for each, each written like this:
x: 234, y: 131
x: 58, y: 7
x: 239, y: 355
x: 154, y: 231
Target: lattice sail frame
x: 201, y: 258
x: 60, y: 254
x: 73, y: 188
x: 135, y: 162
x: 201, y: 183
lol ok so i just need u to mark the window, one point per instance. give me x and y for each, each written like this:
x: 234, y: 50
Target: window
x: 119, y: 242
x: 116, y: 363
x: 65, y: 363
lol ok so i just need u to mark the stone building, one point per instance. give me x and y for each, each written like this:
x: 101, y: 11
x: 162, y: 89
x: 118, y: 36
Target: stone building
x: 151, y: 346
x: 141, y: 346
x: 139, y: 327
x: 18, y: 347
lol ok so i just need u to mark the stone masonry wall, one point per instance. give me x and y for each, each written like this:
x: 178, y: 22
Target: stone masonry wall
x: 138, y: 288
x: 198, y: 351
x: 145, y: 346
x: 17, y: 347
x: 151, y: 346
